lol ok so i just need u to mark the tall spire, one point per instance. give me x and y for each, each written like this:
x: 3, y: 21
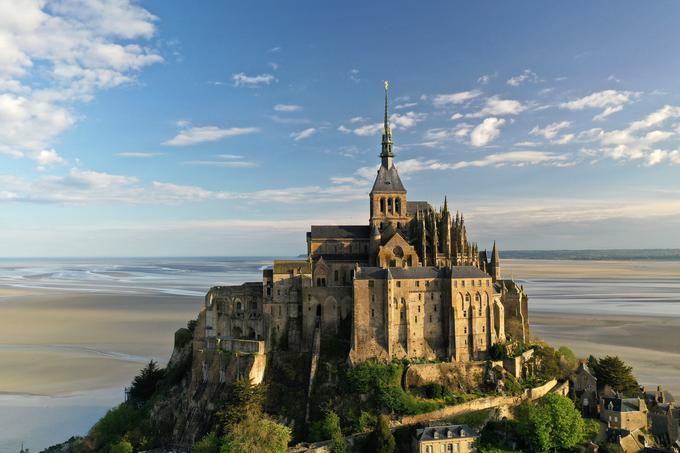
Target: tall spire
x: 387, y: 154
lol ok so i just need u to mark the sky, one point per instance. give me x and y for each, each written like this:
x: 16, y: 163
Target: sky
x: 144, y: 128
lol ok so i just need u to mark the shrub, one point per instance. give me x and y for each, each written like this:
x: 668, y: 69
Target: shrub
x: 210, y: 443
x: 121, y: 447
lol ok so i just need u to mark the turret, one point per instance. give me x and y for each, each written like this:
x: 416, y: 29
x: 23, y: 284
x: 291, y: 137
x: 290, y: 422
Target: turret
x: 495, y: 264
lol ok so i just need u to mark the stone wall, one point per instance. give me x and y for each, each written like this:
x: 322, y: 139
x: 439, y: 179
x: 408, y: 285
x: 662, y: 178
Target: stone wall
x: 454, y: 375
x: 479, y: 404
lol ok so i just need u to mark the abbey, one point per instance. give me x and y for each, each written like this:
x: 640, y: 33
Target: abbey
x: 408, y: 284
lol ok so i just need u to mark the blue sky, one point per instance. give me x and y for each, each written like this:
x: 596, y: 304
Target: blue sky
x: 226, y: 128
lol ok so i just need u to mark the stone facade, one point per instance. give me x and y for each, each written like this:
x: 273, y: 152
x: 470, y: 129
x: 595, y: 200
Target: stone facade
x: 408, y: 284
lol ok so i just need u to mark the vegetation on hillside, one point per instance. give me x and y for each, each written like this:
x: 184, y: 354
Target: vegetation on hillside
x: 612, y: 371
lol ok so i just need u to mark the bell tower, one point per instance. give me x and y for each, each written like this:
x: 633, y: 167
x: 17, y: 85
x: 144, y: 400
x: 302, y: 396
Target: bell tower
x: 388, y: 196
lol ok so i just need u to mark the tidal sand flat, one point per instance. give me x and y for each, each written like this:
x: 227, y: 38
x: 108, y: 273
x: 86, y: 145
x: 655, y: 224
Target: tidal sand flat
x: 625, y: 308
x: 74, y: 333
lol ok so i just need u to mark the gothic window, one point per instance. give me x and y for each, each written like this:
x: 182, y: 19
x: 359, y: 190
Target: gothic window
x: 389, y: 205
x: 382, y: 205
x: 239, y: 307
x: 403, y: 301
x: 336, y: 275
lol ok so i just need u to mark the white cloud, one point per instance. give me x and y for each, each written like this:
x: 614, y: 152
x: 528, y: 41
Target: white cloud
x: 48, y: 157
x: 442, y: 100
x: 303, y: 134
x: 354, y: 75
x: 487, y: 131
x: 54, y: 54
x: 366, y: 130
x: 496, y: 106
x: 551, y: 130
x: 611, y: 101
x: 637, y: 142
x: 406, y: 120
x: 527, y: 76
x: 485, y: 78
x: 252, y: 81
x: 287, y: 107
x: 405, y: 105
x: 194, y: 135
x: 456, y: 116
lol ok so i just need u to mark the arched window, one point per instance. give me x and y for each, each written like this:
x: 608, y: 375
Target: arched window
x: 389, y: 205
x: 239, y: 307
x: 382, y: 205
x: 397, y: 206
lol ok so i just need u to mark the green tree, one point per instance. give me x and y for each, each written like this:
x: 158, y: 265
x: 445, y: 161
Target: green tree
x: 591, y: 430
x: 121, y: 447
x: 241, y: 397
x: 256, y: 433
x: 551, y: 423
x: 209, y: 443
x: 381, y: 440
x: 612, y: 371
x: 144, y: 384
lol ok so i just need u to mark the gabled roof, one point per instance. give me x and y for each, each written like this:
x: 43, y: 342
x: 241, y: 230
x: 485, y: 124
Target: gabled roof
x: 340, y: 232
x: 388, y: 180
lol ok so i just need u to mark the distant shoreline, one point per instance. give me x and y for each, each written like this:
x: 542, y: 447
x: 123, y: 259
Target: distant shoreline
x: 595, y: 255
x: 562, y: 254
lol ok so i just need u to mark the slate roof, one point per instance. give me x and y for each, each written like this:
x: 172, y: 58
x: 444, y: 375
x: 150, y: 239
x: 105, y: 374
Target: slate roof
x: 388, y: 181
x: 285, y: 266
x: 468, y: 272
x: 405, y: 273
x: 349, y: 257
x: 414, y: 206
x: 340, y: 232
x: 622, y: 404
x: 445, y: 432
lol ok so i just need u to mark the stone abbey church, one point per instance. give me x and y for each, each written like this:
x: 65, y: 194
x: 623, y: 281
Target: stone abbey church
x: 408, y: 284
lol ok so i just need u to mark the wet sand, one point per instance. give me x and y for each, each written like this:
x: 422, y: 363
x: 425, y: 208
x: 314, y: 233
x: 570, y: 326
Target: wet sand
x: 636, y: 317
x: 56, y: 343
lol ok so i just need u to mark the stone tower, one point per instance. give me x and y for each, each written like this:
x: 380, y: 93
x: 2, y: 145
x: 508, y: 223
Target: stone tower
x: 388, y: 196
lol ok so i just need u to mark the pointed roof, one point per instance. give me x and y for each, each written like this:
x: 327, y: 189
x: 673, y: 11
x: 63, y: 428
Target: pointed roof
x: 388, y: 180
x: 495, y: 257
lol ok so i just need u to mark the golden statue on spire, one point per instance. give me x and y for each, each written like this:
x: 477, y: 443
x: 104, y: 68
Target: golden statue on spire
x: 387, y: 84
